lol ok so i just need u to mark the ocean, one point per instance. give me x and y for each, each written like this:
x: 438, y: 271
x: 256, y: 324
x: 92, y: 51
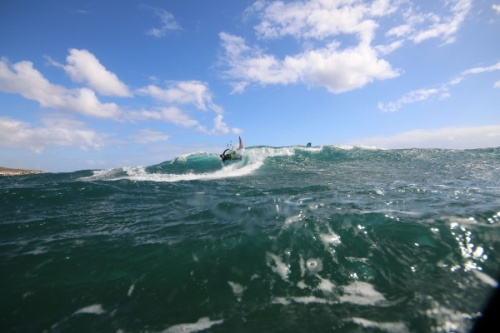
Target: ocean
x: 290, y: 239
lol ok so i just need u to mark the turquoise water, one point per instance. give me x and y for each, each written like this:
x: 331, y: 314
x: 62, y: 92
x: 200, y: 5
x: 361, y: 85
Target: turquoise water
x: 290, y: 239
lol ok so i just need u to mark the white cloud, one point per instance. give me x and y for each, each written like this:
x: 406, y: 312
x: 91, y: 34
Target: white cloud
x: 169, y: 114
x: 443, y: 91
x: 320, y: 19
x: 328, y: 54
x: 332, y: 65
x: 187, y: 93
x: 147, y: 135
x: 336, y: 70
x: 420, y: 26
x: 496, y: 8
x: 83, y: 66
x: 183, y: 92
x: 56, y: 131
x: 175, y: 115
x: 389, y: 48
x: 452, y: 138
x: 220, y: 127
x: 168, y: 23
x: 411, y: 97
x: 477, y: 70
x: 400, y: 30
x: 445, y: 27
x: 21, y: 78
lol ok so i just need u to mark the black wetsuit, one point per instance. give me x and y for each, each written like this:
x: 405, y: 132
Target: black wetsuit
x: 231, y: 156
x: 225, y: 156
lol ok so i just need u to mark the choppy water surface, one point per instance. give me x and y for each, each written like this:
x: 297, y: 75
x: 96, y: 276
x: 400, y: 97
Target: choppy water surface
x: 291, y: 239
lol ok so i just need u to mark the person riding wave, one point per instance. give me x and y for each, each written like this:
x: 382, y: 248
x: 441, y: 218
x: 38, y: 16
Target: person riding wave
x: 230, y: 154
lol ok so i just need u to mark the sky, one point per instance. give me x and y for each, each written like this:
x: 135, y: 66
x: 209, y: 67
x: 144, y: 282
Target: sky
x: 98, y: 84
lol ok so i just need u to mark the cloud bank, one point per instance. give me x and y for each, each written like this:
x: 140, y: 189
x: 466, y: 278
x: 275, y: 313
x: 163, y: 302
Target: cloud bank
x: 23, y: 79
x: 61, y: 132
x: 83, y: 67
x: 453, y: 138
x: 177, y: 103
x: 340, y: 45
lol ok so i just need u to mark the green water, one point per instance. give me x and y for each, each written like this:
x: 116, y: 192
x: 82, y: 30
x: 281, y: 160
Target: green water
x: 288, y: 240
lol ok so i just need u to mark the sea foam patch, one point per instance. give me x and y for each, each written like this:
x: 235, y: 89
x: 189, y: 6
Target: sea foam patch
x: 237, y: 289
x: 361, y: 293
x: 301, y: 299
x: 314, y: 265
x: 202, y: 324
x: 277, y: 265
x: 330, y: 238
x: 91, y: 309
x: 385, y: 326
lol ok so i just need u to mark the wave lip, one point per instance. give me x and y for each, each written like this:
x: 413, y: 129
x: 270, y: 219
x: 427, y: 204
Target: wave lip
x: 320, y: 159
x: 198, y: 166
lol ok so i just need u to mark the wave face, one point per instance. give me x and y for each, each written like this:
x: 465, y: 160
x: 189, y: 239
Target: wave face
x: 290, y: 239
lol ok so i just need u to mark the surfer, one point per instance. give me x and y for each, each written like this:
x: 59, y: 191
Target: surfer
x: 230, y: 154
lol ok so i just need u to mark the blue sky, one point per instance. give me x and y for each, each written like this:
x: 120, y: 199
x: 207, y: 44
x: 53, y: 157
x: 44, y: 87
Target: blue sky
x: 103, y: 84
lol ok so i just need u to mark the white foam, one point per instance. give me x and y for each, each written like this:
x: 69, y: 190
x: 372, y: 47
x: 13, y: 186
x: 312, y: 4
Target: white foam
x: 237, y: 288
x: 301, y: 299
x: 202, y: 324
x: 388, y: 327
x: 103, y: 174
x: 130, y: 290
x: 361, y: 293
x: 302, y: 266
x: 485, y: 278
x: 330, y: 238
x: 38, y: 250
x: 314, y: 265
x: 279, y: 266
x: 448, y: 320
x: 91, y: 309
x: 237, y: 169
x: 325, y: 285
x: 302, y: 285
x: 280, y: 300
x: 293, y: 219
x: 253, y: 159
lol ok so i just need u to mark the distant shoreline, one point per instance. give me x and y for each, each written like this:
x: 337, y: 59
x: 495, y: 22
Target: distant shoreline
x: 15, y: 172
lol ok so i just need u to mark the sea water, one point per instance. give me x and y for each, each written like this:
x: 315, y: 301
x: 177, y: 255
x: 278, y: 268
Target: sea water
x: 291, y: 239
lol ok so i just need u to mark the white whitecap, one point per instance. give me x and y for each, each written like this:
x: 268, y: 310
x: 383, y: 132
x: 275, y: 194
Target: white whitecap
x: 385, y: 326
x: 301, y: 299
x: 277, y: 265
x: 202, y: 324
x: 485, y: 278
x: 330, y: 238
x: 237, y: 288
x: 325, y: 285
x: 130, y: 290
x: 361, y: 293
x: 314, y: 265
x: 91, y: 309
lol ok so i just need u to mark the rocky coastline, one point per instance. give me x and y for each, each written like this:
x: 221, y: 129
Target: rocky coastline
x: 15, y: 172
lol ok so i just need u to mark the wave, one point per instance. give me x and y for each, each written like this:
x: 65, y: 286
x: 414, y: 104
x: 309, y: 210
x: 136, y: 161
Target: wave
x: 199, y: 166
x: 208, y: 166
